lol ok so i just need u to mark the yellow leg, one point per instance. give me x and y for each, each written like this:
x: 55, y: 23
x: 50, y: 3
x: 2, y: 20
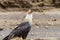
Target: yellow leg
x: 21, y: 38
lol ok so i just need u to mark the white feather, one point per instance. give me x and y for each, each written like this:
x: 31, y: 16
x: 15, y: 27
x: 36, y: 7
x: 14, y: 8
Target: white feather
x: 29, y: 18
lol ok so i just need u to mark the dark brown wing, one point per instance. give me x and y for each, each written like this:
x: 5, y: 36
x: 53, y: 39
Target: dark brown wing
x: 21, y: 30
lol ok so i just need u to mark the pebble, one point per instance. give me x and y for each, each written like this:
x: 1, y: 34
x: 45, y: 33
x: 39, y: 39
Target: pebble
x: 1, y: 29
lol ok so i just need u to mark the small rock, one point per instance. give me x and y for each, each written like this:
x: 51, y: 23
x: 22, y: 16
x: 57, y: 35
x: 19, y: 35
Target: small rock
x: 53, y: 19
x: 46, y: 27
x: 49, y: 22
x: 37, y: 24
x: 32, y: 33
x: 10, y: 28
x: 52, y: 23
x: 1, y: 29
x: 5, y: 21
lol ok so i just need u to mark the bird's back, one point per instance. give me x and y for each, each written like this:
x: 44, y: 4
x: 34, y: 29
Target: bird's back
x: 21, y: 29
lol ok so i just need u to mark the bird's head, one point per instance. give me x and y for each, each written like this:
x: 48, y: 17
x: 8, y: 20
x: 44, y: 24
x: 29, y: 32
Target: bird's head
x: 29, y: 11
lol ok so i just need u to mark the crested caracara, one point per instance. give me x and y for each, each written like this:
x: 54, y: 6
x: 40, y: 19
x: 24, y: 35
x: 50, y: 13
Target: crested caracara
x: 22, y: 29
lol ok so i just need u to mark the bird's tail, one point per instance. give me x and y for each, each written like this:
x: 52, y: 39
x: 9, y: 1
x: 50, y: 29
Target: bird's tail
x: 6, y: 38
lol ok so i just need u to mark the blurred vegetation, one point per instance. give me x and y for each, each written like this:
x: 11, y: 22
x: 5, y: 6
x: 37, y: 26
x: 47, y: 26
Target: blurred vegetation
x: 29, y: 4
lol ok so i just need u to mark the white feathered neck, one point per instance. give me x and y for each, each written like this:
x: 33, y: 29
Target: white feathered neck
x: 29, y: 18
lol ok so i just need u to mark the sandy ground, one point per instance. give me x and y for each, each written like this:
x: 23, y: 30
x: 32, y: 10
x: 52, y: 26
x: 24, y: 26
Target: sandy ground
x: 46, y: 25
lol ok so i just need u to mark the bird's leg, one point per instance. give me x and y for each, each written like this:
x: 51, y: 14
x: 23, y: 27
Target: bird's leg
x: 21, y: 38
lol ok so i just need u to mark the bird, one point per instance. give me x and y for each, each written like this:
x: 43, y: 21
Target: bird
x: 22, y: 29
